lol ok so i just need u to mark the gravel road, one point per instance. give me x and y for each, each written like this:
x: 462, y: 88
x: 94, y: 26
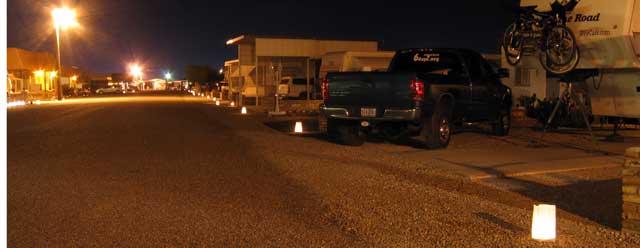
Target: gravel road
x: 178, y: 171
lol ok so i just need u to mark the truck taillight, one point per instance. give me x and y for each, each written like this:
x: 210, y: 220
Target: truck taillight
x: 325, y: 89
x: 417, y: 87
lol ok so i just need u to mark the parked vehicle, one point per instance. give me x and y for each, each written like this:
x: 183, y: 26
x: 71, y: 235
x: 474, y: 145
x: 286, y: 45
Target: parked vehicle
x: 295, y: 87
x: 425, y: 92
x: 608, y: 73
x: 132, y: 89
x: 114, y: 89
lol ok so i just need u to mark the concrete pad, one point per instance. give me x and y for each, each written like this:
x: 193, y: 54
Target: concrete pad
x: 546, y: 167
x: 476, y: 156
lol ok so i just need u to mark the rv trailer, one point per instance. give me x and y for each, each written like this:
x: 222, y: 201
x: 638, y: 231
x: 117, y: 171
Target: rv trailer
x: 608, y: 38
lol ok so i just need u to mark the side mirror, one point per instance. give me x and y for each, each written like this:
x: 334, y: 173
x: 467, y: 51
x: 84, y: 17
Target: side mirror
x: 503, y: 73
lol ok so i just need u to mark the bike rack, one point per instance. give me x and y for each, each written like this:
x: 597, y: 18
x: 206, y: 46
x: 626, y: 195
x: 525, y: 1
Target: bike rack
x: 583, y: 112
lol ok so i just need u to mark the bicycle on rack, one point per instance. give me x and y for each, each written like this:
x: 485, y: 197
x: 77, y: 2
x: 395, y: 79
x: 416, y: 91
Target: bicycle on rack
x: 544, y: 33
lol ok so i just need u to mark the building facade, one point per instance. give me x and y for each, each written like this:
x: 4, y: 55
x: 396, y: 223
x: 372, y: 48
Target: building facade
x: 262, y: 61
x: 30, y: 71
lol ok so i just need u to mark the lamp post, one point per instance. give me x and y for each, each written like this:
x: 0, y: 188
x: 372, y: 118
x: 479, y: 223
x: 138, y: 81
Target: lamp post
x: 63, y: 18
x: 167, y: 77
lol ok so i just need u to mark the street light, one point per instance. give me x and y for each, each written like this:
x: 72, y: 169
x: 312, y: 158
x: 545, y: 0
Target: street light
x: 136, y: 72
x: 63, y: 18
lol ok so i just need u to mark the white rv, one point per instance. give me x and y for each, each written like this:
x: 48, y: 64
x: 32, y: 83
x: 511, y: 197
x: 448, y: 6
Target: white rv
x: 336, y: 62
x: 608, y: 35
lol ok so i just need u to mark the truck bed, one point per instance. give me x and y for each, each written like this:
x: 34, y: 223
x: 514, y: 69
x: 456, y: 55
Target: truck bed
x: 380, y: 90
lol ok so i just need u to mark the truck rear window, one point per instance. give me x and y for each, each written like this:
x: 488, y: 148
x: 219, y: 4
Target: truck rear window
x: 440, y: 63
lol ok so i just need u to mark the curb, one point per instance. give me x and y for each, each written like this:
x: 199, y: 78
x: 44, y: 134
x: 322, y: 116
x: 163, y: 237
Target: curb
x: 540, y: 172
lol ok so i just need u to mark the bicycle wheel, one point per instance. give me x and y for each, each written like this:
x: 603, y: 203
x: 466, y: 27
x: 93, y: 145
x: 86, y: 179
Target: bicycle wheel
x: 555, y: 69
x: 512, y: 44
x: 560, y: 46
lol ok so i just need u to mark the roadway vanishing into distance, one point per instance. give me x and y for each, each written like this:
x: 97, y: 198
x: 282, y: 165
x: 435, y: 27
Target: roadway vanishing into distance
x: 176, y: 171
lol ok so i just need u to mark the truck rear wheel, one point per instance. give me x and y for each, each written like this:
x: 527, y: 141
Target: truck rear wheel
x: 438, y: 128
x: 347, y: 133
x: 502, y: 124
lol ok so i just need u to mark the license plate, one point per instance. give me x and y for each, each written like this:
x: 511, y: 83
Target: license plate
x: 368, y: 112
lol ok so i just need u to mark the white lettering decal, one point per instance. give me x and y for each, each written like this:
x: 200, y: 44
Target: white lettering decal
x: 429, y: 57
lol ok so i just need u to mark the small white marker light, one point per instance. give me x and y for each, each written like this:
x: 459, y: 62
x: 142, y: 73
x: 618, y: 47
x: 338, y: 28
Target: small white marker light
x: 298, y: 127
x: 244, y: 110
x: 543, y: 225
x: 233, y: 104
x: 217, y: 103
x: 215, y: 98
x: 38, y: 102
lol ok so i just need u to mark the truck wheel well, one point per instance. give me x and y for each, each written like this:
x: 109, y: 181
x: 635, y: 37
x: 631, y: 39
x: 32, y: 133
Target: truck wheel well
x: 446, y: 101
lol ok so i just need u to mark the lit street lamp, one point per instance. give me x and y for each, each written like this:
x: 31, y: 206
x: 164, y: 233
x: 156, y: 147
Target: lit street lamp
x: 136, y: 73
x: 63, y: 18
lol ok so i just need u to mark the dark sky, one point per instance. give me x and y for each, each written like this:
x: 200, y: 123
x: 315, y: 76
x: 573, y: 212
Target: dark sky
x: 169, y: 34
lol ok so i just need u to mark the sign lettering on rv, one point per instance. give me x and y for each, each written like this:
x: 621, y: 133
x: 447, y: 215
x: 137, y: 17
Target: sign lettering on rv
x: 584, y: 18
x: 594, y: 32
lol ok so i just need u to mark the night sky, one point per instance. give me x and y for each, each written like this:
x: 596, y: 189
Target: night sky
x: 169, y: 34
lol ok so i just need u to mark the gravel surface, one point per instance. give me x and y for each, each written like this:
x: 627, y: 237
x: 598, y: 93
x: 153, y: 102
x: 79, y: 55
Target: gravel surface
x: 182, y: 172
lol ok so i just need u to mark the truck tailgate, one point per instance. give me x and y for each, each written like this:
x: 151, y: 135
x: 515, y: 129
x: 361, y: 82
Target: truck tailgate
x: 380, y: 90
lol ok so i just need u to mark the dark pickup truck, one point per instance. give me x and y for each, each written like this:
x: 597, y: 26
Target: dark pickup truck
x: 425, y: 92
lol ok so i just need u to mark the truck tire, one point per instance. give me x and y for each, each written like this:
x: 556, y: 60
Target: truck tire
x: 438, y: 128
x: 502, y: 124
x: 346, y: 133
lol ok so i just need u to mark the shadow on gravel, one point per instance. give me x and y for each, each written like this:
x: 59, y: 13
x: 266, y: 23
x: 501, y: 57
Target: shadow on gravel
x: 500, y: 222
x: 598, y: 201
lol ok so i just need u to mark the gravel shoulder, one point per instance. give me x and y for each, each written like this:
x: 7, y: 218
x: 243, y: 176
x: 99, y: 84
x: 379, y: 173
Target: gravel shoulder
x: 400, y: 196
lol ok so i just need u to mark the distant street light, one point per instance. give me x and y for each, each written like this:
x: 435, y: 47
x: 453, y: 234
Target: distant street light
x: 136, y: 72
x: 63, y: 18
